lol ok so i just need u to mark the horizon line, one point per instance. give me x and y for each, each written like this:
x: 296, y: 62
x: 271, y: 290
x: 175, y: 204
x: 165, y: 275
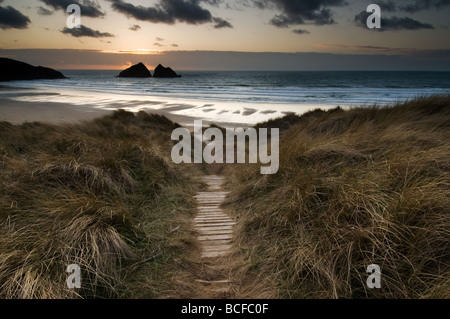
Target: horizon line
x: 201, y: 60
x: 267, y: 70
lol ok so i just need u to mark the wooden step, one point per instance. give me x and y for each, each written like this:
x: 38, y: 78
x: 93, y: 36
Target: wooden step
x: 224, y: 248
x: 230, y: 227
x: 214, y: 254
x: 215, y: 232
x: 214, y: 226
x: 214, y: 237
x: 213, y: 218
x: 215, y: 242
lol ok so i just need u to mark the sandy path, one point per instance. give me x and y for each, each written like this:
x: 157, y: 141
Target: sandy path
x: 215, y: 229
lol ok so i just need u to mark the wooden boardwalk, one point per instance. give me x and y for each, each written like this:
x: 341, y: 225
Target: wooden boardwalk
x: 214, y: 226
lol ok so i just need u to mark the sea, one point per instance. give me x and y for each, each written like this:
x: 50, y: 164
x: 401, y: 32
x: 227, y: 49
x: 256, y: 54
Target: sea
x: 235, y: 96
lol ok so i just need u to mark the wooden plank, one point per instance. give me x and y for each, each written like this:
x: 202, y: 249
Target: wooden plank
x: 213, y: 237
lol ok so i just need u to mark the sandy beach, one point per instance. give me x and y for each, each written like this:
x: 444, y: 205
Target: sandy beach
x: 15, y: 110
x: 19, y: 105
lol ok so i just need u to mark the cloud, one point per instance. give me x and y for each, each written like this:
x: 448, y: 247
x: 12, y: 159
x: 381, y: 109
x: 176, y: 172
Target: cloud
x: 376, y: 49
x: 220, y: 23
x: 174, y: 45
x: 420, y: 5
x: 86, y: 32
x: 387, y: 6
x: 300, y: 12
x: 413, y: 6
x: 300, y: 31
x: 168, y: 11
x: 44, y: 12
x: 392, y: 23
x: 135, y: 27
x: 396, y: 23
x: 89, y: 8
x: 158, y: 39
x: 10, y: 18
x: 215, y: 3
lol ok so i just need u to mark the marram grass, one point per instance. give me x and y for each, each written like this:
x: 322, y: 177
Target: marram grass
x: 357, y: 187
x: 103, y: 195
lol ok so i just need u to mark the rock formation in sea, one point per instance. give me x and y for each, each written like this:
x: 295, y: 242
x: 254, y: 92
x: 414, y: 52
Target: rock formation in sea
x: 13, y: 70
x: 162, y: 72
x: 136, y: 71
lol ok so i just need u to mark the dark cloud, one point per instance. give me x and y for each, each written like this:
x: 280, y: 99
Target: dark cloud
x: 213, y: 2
x: 158, y: 44
x: 44, y: 12
x: 396, y: 23
x: 300, y: 12
x: 169, y: 12
x: 174, y: 45
x: 261, y: 4
x: 300, y: 31
x: 135, y: 27
x: 10, y: 18
x: 375, y: 48
x: 387, y: 6
x: 220, y: 23
x: 392, y: 23
x: 321, y: 17
x: 420, y: 5
x: 166, y: 11
x: 86, y: 32
x: 89, y: 8
x: 159, y: 39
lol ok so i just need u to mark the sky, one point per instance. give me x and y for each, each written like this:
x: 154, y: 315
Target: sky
x: 228, y: 35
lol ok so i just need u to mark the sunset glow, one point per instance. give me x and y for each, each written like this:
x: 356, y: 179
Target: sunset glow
x: 148, y: 28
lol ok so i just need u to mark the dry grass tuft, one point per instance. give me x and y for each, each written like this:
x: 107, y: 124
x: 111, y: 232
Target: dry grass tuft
x: 354, y: 188
x: 102, y: 194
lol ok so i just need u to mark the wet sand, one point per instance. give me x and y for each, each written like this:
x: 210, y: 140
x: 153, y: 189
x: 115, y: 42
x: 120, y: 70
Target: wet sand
x: 59, y: 106
x: 17, y: 111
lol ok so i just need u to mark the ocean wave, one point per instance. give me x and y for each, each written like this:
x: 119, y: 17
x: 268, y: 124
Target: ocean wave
x: 338, y: 88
